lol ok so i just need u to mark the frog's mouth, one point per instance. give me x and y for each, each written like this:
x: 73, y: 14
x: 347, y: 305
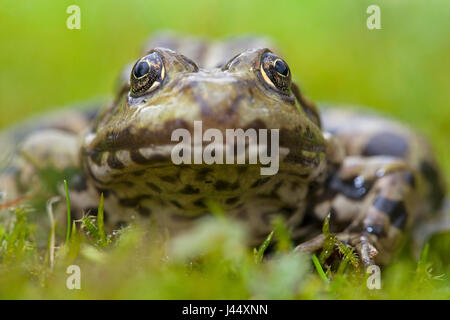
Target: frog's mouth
x: 112, y: 167
x: 149, y: 174
x: 112, y: 161
x: 138, y: 163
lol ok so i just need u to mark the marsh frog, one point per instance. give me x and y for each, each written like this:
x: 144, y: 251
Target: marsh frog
x: 376, y: 177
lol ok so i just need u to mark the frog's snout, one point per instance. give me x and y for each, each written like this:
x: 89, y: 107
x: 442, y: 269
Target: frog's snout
x: 220, y: 102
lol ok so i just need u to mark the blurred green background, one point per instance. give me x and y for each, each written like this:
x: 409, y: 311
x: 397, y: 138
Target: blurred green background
x: 402, y: 69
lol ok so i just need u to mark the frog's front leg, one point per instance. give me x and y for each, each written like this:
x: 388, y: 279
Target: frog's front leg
x: 376, y: 198
x: 38, y: 166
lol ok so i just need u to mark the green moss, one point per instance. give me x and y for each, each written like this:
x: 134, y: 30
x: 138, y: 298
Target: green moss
x: 211, y: 261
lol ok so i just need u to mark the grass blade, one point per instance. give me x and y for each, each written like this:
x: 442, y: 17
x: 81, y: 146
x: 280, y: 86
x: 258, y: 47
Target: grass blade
x: 68, y: 212
x: 319, y: 269
x: 100, y: 222
x: 259, y: 254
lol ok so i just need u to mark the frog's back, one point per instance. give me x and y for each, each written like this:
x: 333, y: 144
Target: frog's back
x: 367, y: 135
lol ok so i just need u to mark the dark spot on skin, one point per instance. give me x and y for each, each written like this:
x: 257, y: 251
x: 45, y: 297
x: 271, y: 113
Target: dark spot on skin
x: 128, y: 184
x: 232, y: 200
x: 117, y: 176
x: 199, y: 203
x: 311, y: 218
x: 157, y: 158
x: 190, y: 190
x: 242, y: 169
x: 303, y: 176
x: 176, y: 204
x: 235, y: 185
x: 243, y: 214
x: 267, y: 196
x: 137, y: 157
x: 410, y: 179
x: 259, y: 182
x: 437, y: 193
x: 138, y: 173
x: 290, y: 139
x: 376, y: 229
x: 78, y: 182
x: 276, y: 187
x: 169, y: 179
x: 394, y: 209
x: 132, y: 202
x: 144, y: 212
x: 297, y: 158
x: 154, y: 187
x: 180, y: 217
x: 143, y: 137
x: 114, y: 162
x: 239, y: 206
x: 221, y: 185
x: 201, y: 174
x: 386, y: 143
x: 287, y: 211
x: 96, y: 158
x: 105, y: 192
x: 351, y: 188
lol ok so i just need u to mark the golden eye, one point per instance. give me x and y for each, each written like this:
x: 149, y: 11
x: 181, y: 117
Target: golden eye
x: 147, y: 74
x: 275, y: 72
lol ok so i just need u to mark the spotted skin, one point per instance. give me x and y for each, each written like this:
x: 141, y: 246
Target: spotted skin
x: 379, y: 190
x: 377, y: 178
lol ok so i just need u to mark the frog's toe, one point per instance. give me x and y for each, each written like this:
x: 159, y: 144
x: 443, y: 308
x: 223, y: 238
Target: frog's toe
x: 312, y: 245
x: 361, y: 243
x: 363, y: 246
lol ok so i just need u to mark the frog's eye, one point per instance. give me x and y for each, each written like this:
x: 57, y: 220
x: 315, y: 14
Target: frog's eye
x: 275, y: 72
x: 147, y: 74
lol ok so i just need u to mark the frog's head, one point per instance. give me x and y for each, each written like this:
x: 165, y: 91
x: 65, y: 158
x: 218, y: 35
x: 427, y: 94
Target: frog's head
x: 131, y: 141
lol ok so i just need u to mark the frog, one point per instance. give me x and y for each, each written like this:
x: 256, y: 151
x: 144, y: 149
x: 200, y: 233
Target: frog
x: 374, y: 178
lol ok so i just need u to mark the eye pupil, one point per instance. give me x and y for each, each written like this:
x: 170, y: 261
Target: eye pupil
x: 141, y: 69
x: 281, y: 68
